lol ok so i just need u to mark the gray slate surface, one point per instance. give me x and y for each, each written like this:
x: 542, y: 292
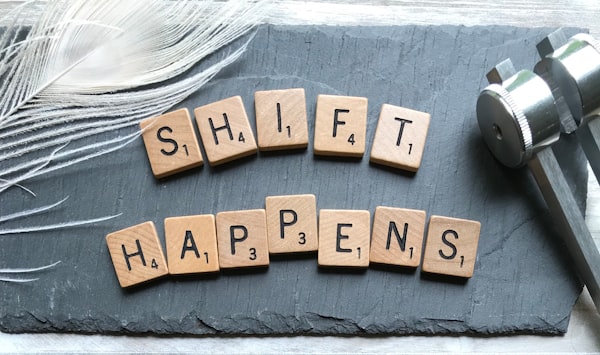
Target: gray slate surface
x: 523, y: 280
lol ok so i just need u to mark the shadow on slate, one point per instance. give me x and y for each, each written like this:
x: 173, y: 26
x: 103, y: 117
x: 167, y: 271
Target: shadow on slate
x: 523, y: 281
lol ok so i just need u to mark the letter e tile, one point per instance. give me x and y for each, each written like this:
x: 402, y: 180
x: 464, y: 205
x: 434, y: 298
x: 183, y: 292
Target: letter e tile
x: 191, y: 244
x: 171, y: 143
x: 281, y: 119
x: 400, y: 137
x: 397, y: 236
x: 242, y: 239
x: 344, y: 238
x: 340, y: 126
x: 225, y: 130
x: 136, y: 254
x: 451, y: 246
x: 292, y: 223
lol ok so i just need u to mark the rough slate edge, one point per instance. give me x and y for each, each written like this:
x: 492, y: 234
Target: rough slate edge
x: 82, y: 294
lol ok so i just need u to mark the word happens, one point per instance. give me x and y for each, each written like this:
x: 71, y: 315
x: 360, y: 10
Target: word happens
x: 288, y: 224
x: 281, y: 124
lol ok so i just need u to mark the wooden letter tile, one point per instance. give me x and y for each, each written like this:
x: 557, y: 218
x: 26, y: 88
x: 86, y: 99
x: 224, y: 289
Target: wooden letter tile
x: 451, y: 246
x: 171, y: 143
x: 340, y: 126
x: 191, y: 244
x: 281, y: 119
x: 400, y: 137
x: 225, y: 130
x: 292, y: 223
x: 242, y: 239
x: 136, y: 254
x: 397, y: 236
x: 344, y: 238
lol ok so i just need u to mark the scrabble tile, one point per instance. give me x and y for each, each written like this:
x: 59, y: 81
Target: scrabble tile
x: 400, y: 137
x: 397, y: 237
x: 281, y: 119
x: 191, y: 243
x: 242, y: 239
x: 292, y: 223
x: 340, y: 126
x: 171, y: 143
x: 136, y: 254
x: 344, y: 238
x: 451, y: 246
x: 225, y: 130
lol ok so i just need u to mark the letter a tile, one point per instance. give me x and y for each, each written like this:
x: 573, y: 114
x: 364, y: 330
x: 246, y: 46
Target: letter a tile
x: 451, y: 246
x: 340, y: 126
x: 281, y: 119
x: 191, y: 244
x: 344, y: 238
x: 225, y: 130
x: 136, y: 254
x: 292, y: 223
x: 400, y: 137
x: 242, y: 239
x: 397, y: 236
x: 171, y: 143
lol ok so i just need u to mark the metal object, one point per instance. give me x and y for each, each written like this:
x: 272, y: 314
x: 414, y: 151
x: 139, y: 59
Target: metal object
x: 519, y: 121
x: 571, y: 67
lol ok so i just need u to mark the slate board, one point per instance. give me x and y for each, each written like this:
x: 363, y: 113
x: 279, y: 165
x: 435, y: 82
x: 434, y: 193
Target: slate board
x: 523, y: 280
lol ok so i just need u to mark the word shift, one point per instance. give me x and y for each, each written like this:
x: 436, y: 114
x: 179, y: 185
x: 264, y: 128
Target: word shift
x: 281, y: 124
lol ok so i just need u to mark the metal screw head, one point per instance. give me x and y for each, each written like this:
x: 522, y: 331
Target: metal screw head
x: 517, y: 118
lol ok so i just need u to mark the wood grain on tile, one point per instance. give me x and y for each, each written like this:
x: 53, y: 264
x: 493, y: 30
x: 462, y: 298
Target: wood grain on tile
x: 397, y: 237
x: 400, y: 137
x: 225, y: 130
x: 136, y: 254
x: 292, y: 223
x: 451, y: 246
x: 191, y: 243
x: 242, y: 239
x: 344, y: 238
x: 281, y: 121
x: 171, y: 143
x: 340, y: 126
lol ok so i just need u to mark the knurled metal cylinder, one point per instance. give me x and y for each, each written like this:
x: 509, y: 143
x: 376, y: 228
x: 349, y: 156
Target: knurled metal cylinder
x: 518, y: 118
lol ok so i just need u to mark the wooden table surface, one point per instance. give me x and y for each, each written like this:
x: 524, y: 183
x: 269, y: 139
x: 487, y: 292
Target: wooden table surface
x: 584, y: 328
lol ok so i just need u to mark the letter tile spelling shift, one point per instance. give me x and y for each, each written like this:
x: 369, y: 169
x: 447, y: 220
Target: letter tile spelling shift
x: 451, y: 246
x: 225, y: 130
x: 281, y: 119
x: 397, y: 236
x: 400, y: 137
x: 136, y: 254
x: 171, y: 143
x: 292, y: 223
x: 344, y: 238
x: 242, y: 239
x: 191, y: 244
x: 340, y: 126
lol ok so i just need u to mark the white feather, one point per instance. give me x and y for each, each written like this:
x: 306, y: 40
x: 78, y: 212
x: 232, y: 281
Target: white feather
x: 67, y: 79
x: 88, y: 68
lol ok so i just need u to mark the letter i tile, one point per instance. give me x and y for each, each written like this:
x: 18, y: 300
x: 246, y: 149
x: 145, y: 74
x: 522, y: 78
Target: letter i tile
x: 136, y: 254
x: 281, y: 119
x: 451, y: 246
